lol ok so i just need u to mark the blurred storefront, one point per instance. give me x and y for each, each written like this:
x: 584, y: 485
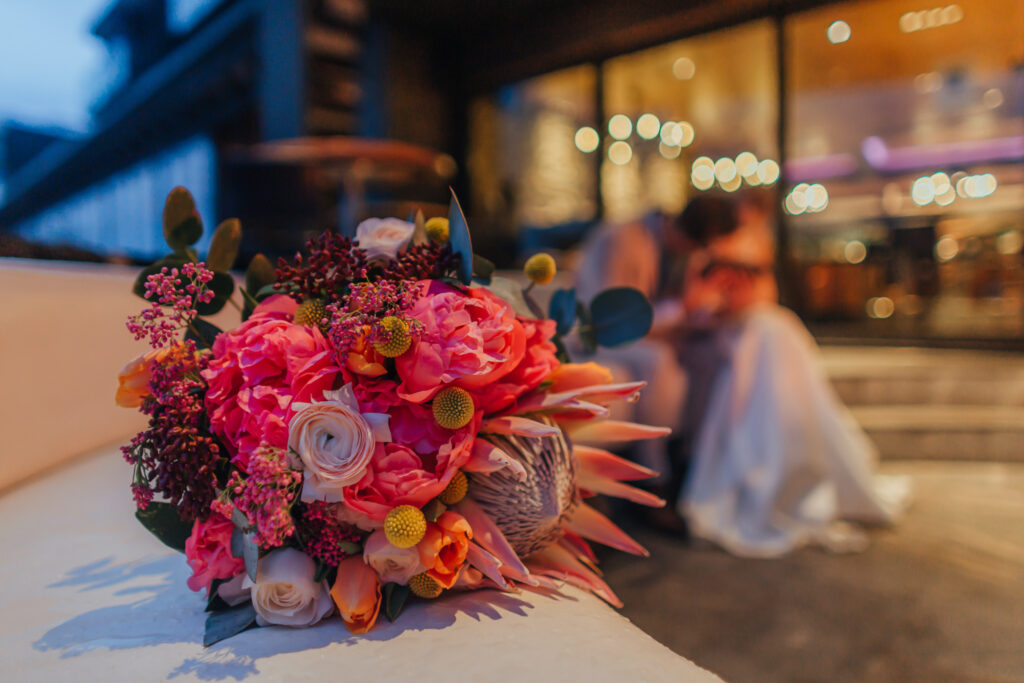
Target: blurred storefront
x: 889, y: 134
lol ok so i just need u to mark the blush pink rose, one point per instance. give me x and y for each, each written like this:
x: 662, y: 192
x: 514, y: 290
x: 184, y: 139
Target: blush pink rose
x: 208, y: 552
x: 257, y: 371
x: 466, y: 339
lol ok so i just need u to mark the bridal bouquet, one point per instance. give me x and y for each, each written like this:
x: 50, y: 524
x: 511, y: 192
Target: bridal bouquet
x: 389, y: 419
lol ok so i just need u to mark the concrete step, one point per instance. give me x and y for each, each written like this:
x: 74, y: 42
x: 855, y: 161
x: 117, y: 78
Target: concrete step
x: 915, y: 376
x: 945, y: 432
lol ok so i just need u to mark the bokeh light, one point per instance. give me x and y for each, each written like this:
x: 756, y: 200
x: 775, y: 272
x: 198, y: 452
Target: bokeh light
x: 855, y: 251
x: 946, y: 248
x: 672, y: 133
x: 838, y: 32
x: 587, y: 139
x: 620, y: 127
x: 620, y: 153
x: 647, y: 126
x: 684, y: 69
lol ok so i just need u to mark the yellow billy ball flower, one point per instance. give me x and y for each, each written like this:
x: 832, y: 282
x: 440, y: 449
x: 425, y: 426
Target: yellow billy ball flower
x: 453, y: 407
x: 540, y: 269
x: 424, y: 586
x: 456, y: 489
x: 405, y: 526
x: 310, y: 313
x: 395, y: 338
x: 437, y: 229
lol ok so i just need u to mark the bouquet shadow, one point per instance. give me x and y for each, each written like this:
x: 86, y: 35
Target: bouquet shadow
x: 158, y: 616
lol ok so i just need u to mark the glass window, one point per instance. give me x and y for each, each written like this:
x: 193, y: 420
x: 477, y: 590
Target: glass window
x: 905, y: 187
x: 693, y: 115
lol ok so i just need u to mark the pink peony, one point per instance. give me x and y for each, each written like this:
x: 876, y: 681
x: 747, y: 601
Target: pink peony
x: 537, y: 364
x: 208, y: 552
x: 257, y: 371
x: 469, y: 340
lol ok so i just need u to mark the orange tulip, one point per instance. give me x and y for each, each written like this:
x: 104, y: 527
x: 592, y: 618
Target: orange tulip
x: 356, y: 592
x: 133, y: 380
x: 444, y: 547
x: 569, y: 376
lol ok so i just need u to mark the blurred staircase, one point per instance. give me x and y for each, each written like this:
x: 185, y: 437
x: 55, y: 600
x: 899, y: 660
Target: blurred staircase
x: 933, y: 403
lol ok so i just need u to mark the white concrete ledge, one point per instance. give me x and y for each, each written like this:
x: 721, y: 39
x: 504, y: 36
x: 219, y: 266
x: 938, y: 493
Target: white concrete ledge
x: 90, y: 595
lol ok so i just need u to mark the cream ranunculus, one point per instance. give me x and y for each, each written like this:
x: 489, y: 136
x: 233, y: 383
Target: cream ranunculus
x: 332, y: 442
x: 284, y: 592
x: 392, y: 564
x: 384, y: 237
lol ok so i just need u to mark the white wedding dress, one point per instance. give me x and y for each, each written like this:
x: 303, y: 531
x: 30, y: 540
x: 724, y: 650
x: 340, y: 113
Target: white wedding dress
x: 779, y: 462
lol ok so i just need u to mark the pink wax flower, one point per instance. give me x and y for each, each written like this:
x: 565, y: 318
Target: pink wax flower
x: 537, y: 364
x: 257, y: 371
x: 208, y: 552
x: 468, y: 340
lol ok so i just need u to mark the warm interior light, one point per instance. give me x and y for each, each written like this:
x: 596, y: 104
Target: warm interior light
x: 684, y: 69
x: 587, y: 139
x: 838, y: 32
x: 620, y: 153
x: 647, y: 126
x: 620, y: 127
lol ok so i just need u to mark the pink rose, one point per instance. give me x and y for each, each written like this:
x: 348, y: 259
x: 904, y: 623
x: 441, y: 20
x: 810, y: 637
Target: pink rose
x: 208, y: 552
x: 257, y: 371
x: 392, y: 564
x: 469, y: 341
x: 332, y: 441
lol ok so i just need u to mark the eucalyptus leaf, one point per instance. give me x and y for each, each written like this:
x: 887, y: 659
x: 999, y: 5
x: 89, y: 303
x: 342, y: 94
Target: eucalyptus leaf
x: 181, y: 222
x: 259, y: 274
x: 562, y: 309
x: 250, y: 553
x: 237, y: 543
x: 223, y: 286
x: 240, y: 521
x: 322, y: 570
x: 433, y: 509
x: 163, y: 521
x: 458, y: 237
x: 229, y: 622
x: 620, y: 315
x: 395, y: 596
x: 207, y: 330
x: 224, y: 246
x: 350, y: 548
x: 215, y: 603
x: 512, y: 293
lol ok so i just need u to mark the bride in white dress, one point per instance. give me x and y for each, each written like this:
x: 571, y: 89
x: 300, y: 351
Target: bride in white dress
x: 778, y: 462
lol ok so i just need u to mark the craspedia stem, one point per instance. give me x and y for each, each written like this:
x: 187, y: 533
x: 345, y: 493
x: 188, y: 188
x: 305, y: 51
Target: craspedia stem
x: 453, y: 407
x: 424, y: 586
x: 405, y: 526
x: 393, y: 338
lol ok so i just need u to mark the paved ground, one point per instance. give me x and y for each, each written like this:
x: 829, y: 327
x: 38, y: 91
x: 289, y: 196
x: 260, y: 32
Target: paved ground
x: 939, y: 598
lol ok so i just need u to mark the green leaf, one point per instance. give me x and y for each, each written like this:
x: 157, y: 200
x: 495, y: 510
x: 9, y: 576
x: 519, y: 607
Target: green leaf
x: 561, y: 352
x: 224, y: 246
x: 458, y: 237
x: 209, y: 332
x: 394, y: 599
x: 322, y: 570
x: 562, y: 309
x: 250, y: 553
x: 620, y: 315
x: 229, y: 622
x: 182, y: 225
x: 585, y: 329
x: 215, y: 603
x: 223, y: 286
x: 164, y: 522
x: 482, y: 269
x: 433, y: 510
x: 169, y: 261
x: 350, y: 548
x: 259, y: 274
x: 512, y: 293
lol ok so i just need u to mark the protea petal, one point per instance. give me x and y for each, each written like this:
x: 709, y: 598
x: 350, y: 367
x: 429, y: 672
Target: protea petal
x: 519, y: 426
x: 558, y: 562
x: 613, y: 431
x: 488, y: 564
x: 598, y: 462
x: 486, y: 457
x: 589, y: 523
x: 610, y: 487
x: 581, y: 549
x: 490, y: 538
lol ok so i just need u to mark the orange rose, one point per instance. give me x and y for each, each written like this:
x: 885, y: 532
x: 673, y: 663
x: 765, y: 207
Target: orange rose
x: 356, y: 592
x: 569, y: 376
x: 363, y: 359
x: 133, y: 381
x: 444, y: 547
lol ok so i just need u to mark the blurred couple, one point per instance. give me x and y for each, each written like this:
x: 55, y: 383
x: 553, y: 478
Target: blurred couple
x: 766, y: 458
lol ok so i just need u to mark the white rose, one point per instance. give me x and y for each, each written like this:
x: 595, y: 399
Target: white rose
x: 392, y: 564
x: 333, y: 443
x: 284, y: 592
x: 383, y: 237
